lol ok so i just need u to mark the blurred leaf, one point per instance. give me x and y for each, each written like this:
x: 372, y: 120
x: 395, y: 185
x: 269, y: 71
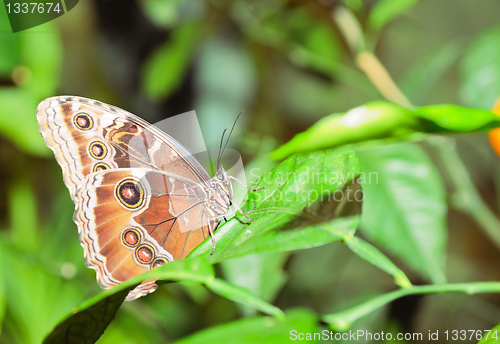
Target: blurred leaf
x: 169, y: 14
x: 165, y: 68
x: 480, y: 70
x: 465, y: 196
x: 260, y: 273
x: 18, y: 120
x: 315, y: 36
x: 88, y: 324
x: 492, y: 337
x: 309, y: 201
x: 242, y: 295
x: 3, y: 294
x: 354, y: 5
x: 41, y: 53
x: 226, y: 83
x: 137, y: 322
x: 405, y: 207
x: 30, y: 286
x: 9, y: 42
x: 381, y: 119
x: 386, y: 10
x: 37, y: 74
x: 88, y: 321
x: 23, y: 216
x: 164, y: 13
x: 258, y: 330
x: 375, y: 257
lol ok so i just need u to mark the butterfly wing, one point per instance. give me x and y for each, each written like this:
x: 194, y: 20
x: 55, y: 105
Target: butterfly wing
x: 88, y: 136
x: 129, y: 181
x: 132, y: 220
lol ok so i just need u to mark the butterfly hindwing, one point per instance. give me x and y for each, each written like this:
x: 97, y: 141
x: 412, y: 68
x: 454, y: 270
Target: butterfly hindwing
x: 131, y: 220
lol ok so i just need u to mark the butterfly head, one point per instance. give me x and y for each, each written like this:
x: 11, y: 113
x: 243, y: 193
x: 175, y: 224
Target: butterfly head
x: 221, y: 195
x: 223, y: 181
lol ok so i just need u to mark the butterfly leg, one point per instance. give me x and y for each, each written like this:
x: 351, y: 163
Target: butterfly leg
x: 241, y: 211
x: 211, y: 231
x: 247, y: 186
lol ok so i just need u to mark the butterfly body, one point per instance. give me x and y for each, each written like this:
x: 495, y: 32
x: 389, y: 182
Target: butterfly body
x: 141, y: 199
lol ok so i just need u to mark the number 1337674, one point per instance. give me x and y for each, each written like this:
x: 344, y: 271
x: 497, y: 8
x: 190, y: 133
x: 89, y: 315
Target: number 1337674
x: 33, y: 7
x: 471, y: 334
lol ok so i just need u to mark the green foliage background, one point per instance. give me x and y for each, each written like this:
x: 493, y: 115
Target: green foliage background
x: 354, y: 87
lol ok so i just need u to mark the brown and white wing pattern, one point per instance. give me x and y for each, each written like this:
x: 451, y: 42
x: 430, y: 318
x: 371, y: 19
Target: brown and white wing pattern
x: 140, y: 197
x: 89, y: 136
x: 132, y: 220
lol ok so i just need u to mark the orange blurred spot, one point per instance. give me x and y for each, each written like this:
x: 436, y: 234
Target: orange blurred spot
x: 495, y: 133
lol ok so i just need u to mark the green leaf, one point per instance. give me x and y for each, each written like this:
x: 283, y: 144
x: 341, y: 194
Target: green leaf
x: 88, y: 324
x: 480, y: 70
x: 3, y: 291
x: 261, y: 273
x: 39, y: 57
x: 242, y: 295
x: 456, y: 118
x: 310, y: 199
x: 88, y: 321
x: 343, y: 320
x: 373, y: 120
x: 354, y: 5
x: 381, y: 119
x: 258, y: 330
x: 30, y: 283
x: 18, y: 120
x: 164, y: 70
x: 313, y: 35
x: 9, y: 57
x: 375, y: 257
x: 405, y: 207
x: 41, y: 54
x: 23, y: 215
x: 386, y: 10
x: 166, y: 13
x: 492, y: 337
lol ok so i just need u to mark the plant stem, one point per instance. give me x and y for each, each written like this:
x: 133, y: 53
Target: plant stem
x: 365, y: 59
x: 342, y: 321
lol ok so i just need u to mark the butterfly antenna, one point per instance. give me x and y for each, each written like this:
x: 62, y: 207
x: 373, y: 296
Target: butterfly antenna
x: 234, y: 124
x: 219, y: 156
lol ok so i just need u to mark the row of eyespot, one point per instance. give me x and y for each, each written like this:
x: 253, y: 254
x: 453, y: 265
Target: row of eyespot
x: 84, y: 122
x: 144, y: 253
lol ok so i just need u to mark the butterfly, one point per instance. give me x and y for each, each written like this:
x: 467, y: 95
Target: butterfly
x: 141, y: 199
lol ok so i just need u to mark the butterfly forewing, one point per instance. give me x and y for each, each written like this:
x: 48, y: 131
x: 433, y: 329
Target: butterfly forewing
x: 140, y: 197
x: 87, y: 136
